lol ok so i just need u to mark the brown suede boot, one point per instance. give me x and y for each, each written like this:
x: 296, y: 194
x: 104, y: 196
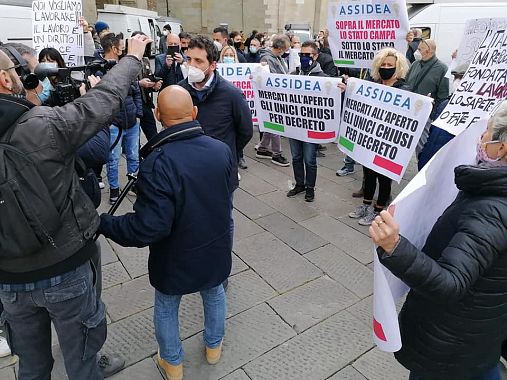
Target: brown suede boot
x: 213, y: 354
x: 172, y: 372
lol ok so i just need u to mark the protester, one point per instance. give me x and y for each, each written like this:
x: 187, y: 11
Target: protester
x: 304, y: 154
x: 162, y: 42
x: 237, y: 42
x: 102, y: 29
x: 184, y: 40
x: 453, y: 320
x: 182, y: 212
x: 414, y: 38
x: 295, y: 41
x: 147, y: 86
x: 124, y: 129
x: 249, y: 39
x: 60, y: 279
x: 168, y: 65
x: 228, y: 55
x: 327, y: 63
x: 220, y: 37
x: 253, y: 55
x: 389, y: 67
x: 273, y: 58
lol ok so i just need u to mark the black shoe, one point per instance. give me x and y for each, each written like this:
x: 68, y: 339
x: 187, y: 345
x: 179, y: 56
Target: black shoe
x: 110, y: 364
x: 320, y: 154
x: 114, y: 194
x: 321, y: 147
x: 310, y: 194
x: 280, y: 160
x: 295, y: 190
x: 242, y: 163
x: 263, y: 154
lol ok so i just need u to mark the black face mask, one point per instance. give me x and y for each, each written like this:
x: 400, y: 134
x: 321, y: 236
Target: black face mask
x: 237, y: 45
x: 386, y: 73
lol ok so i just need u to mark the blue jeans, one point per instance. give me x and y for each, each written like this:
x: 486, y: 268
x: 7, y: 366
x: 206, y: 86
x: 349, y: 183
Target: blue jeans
x: 130, y: 142
x: 349, y: 163
x: 491, y: 374
x: 304, y: 159
x: 167, y: 325
x: 78, y: 316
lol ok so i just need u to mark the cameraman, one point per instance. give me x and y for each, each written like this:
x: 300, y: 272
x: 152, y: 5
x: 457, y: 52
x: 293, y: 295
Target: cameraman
x: 55, y: 283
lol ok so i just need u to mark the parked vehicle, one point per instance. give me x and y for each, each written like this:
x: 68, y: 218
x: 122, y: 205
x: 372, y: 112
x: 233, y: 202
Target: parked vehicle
x: 16, y: 22
x: 303, y: 31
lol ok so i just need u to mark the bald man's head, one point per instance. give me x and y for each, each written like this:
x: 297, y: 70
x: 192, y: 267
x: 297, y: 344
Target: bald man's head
x: 9, y: 79
x: 174, y: 106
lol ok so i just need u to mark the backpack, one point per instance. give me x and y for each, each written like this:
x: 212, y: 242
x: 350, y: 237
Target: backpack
x: 28, y: 216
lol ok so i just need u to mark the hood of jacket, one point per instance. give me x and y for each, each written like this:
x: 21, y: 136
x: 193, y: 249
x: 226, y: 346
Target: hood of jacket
x: 315, y: 70
x: 11, y: 109
x: 482, y: 180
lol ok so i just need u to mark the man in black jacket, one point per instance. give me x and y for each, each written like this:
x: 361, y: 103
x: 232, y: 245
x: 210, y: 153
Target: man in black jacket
x: 54, y: 283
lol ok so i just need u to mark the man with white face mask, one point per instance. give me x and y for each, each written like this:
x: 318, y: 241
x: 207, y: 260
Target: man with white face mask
x: 162, y: 43
x: 223, y: 110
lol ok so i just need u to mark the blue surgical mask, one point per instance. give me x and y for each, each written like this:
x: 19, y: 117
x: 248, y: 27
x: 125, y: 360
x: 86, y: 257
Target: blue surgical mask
x: 306, y: 62
x: 229, y: 60
x: 253, y: 49
x: 46, y: 90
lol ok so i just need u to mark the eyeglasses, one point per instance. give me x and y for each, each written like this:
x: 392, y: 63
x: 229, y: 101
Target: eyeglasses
x: 12, y: 67
x: 491, y: 142
x: 305, y: 54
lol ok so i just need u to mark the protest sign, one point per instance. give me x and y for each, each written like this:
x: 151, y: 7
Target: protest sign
x: 299, y: 107
x: 430, y: 192
x: 359, y: 29
x: 482, y: 88
x: 55, y: 24
x: 239, y: 75
x: 381, y: 126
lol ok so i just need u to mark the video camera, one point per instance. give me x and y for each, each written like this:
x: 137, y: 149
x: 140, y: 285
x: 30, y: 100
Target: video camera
x: 67, y: 87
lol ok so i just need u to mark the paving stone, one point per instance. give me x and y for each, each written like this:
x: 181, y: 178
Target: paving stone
x: 237, y: 265
x: 380, y: 365
x: 276, y: 176
x: 363, y: 310
x: 248, y: 335
x: 254, y: 185
x: 244, y: 227
x: 295, y: 208
x: 291, y: 233
x: 275, y: 262
x: 344, y: 237
x: 135, y: 260
x: 348, y: 373
x: 309, y: 304
x: 317, y: 353
x: 133, y: 338
x: 145, y: 370
x: 107, y: 254
x: 114, y: 274
x: 8, y: 374
x: 246, y: 290
x: 8, y: 360
x: 355, y: 276
x: 250, y: 205
x: 129, y: 298
x: 237, y: 375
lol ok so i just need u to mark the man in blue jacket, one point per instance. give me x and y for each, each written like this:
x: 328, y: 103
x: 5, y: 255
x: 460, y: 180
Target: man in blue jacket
x: 182, y: 212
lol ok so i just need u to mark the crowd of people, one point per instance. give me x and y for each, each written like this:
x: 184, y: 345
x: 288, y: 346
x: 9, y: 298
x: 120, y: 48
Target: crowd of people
x: 453, y: 322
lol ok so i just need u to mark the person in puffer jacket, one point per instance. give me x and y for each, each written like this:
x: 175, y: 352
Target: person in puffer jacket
x: 454, y: 319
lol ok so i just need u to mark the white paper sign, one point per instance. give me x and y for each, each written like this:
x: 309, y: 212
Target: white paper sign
x: 300, y: 107
x: 430, y: 192
x: 381, y: 126
x: 359, y: 29
x: 483, y: 88
x: 55, y: 24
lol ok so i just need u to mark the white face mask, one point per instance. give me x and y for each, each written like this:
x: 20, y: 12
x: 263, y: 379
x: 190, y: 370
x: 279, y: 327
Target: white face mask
x: 417, y: 55
x: 49, y: 64
x: 195, y: 75
x: 218, y: 45
x: 165, y: 32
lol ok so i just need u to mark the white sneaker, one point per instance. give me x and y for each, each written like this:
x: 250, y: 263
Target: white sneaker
x: 368, y: 218
x: 360, y: 212
x: 4, y: 347
x: 256, y: 146
x: 101, y: 185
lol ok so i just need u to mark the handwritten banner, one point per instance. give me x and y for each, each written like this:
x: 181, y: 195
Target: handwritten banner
x: 483, y: 87
x: 299, y: 107
x: 239, y: 75
x: 358, y: 29
x: 381, y: 126
x: 55, y: 24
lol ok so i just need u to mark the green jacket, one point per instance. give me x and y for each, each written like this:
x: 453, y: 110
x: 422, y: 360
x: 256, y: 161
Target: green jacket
x: 425, y: 77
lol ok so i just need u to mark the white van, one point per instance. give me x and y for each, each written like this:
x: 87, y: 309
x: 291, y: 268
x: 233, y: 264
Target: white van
x: 444, y: 21
x: 128, y: 20
x: 176, y: 25
x: 16, y: 24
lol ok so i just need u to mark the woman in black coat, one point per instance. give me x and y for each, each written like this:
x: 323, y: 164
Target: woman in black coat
x: 454, y: 319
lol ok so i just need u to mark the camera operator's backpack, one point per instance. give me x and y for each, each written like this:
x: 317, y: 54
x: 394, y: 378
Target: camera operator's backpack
x: 28, y: 215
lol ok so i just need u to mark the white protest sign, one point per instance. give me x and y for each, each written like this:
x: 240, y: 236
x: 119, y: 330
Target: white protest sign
x: 430, y: 192
x: 55, y: 24
x: 358, y: 29
x: 300, y: 107
x: 475, y: 32
x: 482, y: 88
x: 239, y: 75
x: 381, y: 126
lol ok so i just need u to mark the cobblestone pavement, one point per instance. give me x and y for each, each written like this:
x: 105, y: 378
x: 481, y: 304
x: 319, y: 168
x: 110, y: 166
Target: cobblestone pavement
x: 300, y: 292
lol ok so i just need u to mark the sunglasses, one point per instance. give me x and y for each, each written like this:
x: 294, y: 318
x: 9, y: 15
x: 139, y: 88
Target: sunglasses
x: 305, y: 54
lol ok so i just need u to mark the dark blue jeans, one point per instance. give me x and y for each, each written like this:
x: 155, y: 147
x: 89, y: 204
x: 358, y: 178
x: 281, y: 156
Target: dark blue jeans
x: 491, y: 374
x: 304, y: 159
x: 79, y: 319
